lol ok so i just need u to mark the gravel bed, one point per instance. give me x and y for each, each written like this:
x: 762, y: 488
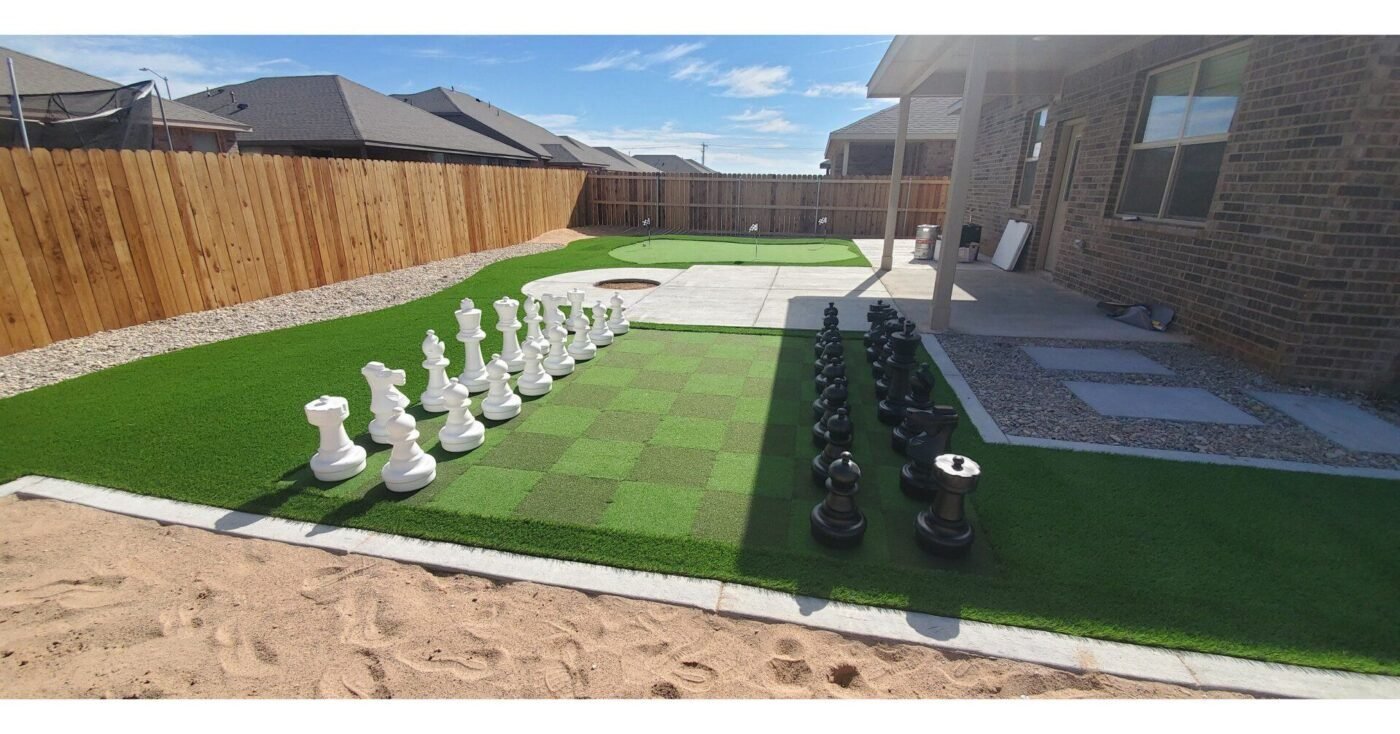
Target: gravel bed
x: 71, y: 358
x: 1026, y: 399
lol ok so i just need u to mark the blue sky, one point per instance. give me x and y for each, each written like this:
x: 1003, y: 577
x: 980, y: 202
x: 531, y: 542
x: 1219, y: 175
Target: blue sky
x: 762, y: 103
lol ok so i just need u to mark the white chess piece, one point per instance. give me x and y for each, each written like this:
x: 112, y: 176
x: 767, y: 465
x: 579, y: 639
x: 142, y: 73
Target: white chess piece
x: 337, y: 457
x: 385, y: 397
x: 582, y: 348
x: 532, y: 325
x: 553, y: 314
x: 501, y: 403
x: 471, y: 335
x: 578, y: 318
x: 462, y: 432
x: 534, y: 380
x: 559, y: 363
x: 436, y: 365
x: 618, y: 323
x: 409, y: 468
x: 508, y: 323
x: 600, y: 334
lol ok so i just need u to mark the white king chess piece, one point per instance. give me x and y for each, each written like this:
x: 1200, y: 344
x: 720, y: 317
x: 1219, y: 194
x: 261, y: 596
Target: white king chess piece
x: 385, y: 398
x: 532, y: 325
x: 534, y: 380
x: 436, y: 365
x: 600, y: 334
x: 501, y: 403
x: 578, y: 319
x: 462, y: 432
x: 471, y: 335
x: 559, y: 363
x: 337, y: 457
x: 409, y: 469
x: 508, y: 323
x: 618, y: 323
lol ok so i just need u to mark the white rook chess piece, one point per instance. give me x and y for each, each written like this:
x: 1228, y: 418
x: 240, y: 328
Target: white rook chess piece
x: 337, y: 457
x: 581, y: 348
x: 436, y: 365
x: 409, y: 468
x: 578, y: 319
x: 385, y: 398
x: 471, y: 335
x: 532, y: 325
x: 601, y: 334
x: 559, y: 363
x: 534, y: 380
x: 618, y: 323
x: 508, y: 323
x: 462, y: 432
x: 501, y: 403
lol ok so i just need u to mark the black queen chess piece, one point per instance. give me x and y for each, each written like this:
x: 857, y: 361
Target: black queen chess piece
x: 898, y: 369
x: 836, y: 521
x: 838, y: 441
x: 921, y: 385
x: 934, y: 438
x: 943, y: 529
x: 835, y: 394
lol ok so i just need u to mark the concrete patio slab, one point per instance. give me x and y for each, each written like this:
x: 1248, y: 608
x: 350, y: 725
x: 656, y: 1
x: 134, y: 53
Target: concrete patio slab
x: 698, y: 305
x: 1095, y: 360
x: 796, y: 309
x: 726, y: 276
x: 1163, y: 403
x: 1338, y: 420
x: 817, y: 278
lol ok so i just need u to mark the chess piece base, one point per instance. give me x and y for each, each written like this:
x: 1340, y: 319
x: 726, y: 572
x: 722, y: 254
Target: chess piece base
x: 378, y: 432
x: 899, y: 438
x: 507, y: 409
x: 912, y: 486
x: 618, y: 328
x: 433, y: 403
x: 603, y: 339
x: 475, y: 381
x: 534, y: 389
x: 582, y: 355
x: 336, y: 468
x: 834, y: 534
x: 466, y: 440
x: 419, y: 474
x: 940, y: 539
x: 891, y: 413
x: 819, y: 435
x: 820, y: 471
x: 559, y: 368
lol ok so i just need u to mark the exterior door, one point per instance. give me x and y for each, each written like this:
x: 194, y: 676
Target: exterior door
x: 1058, y: 237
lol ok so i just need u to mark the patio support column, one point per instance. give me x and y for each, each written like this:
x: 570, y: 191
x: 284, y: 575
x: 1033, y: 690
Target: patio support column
x: 845, y: 157
x: 896, y: 173
x: 974, y: 83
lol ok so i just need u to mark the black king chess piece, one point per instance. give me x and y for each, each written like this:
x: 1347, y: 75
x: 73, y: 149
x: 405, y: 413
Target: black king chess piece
x: 836, y: 521
x: 898, y: 369
x: 835, y: 395
x: 836, y: 402
x: 921, y: 385
x: 933, y: 438
x: 838, y: 441
x: 943, y: 529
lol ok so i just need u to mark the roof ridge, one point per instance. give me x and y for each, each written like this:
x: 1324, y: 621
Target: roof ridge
x: 349, y: 108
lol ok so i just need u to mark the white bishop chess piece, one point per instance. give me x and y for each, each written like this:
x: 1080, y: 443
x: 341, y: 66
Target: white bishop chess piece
x: 409, y: 468
x: 471, y: 336
x: 462, y: 432
x: 534, y: 380
x: 501, y: 403
x: 600, y: 334
x: 436, y: 365
x: 618, y: 323
x: 559, y: 363
x: 532, y: 325
x: 508, y: 323
x: 385, y: 398
x: 337, y: 457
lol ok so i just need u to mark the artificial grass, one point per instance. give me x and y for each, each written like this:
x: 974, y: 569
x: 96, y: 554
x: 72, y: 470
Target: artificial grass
x: 670, y: 250
x: 1282, y: 566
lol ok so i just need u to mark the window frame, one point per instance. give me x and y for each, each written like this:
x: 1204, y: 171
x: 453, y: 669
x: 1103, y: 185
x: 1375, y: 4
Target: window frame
x: 1022, y: 190
x: 1175, y: 143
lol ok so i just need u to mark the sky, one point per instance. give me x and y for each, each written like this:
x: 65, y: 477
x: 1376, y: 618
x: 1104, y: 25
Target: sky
x: 763, y: 104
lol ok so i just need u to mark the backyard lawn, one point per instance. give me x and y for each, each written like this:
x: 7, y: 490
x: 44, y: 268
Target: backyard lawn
x: 670, y: 249
x: 684, y: 450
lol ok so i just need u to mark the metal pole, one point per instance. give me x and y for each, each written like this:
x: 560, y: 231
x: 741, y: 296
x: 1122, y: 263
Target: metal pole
x: 15, y: 104
x: 169, y: 144
x: 817, y: 217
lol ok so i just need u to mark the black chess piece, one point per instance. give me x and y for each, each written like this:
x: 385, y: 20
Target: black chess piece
x: 873, y: 316
x: 834, y: 394
x: 921, y: 385
x: 830, y: 332
x: 943, y: 529
x: 934, y: 438
x: 836, y: 521
x: 881, y: 366
x: 903, y: 345
x: 835, y: 367
x: 836, y: 403
x: 879, y: 331
x: 838, y: 441
x: 831, y: 350
x: 831, y: 309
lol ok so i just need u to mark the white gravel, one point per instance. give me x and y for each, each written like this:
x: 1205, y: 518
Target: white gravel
x: 74, y: 357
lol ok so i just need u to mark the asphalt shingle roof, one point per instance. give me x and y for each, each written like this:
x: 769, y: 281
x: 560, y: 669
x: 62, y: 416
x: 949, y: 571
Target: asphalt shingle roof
x: 626, y: 162
x: 929, y: 117
x: 674, y: 164
x: 484, y: 118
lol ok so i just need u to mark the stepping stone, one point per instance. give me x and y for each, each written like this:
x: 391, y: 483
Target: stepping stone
x: 1340, y: 421
x: 1095, y: 360
x: 1164, y: 403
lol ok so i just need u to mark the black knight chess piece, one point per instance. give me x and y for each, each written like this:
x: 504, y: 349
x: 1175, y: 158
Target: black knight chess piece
x: 838, y: 442
x: 898, y: 369
x: 921, y: 385
x: 836, y: 521
x: 943, y: 529
x: 934, y: 438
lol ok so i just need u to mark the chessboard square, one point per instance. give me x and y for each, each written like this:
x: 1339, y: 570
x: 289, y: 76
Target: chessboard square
x: 668, y: 362
x: 582, y: 395
x: 568, y: 500
x: 693, y: 337
x: 486, y: 490
x: 691, y: 433
x: 559, y: 420
x: 872, y: 548
x: 604, y: 374
x: 754, y: 474
x: 774, y: 439
x: 736, y: 368
x: 652, y: 509
x: 734, y: 351
x: 624, y: 426
x: 742, y: 520
x: 659, y: 381
x: 611, y: 357
x: 532, y: 451
x: 714, y: 384
x: 641, y: 343
x: 759, y: 410
x: 687, y: 349
x: 763, y: 369
x: 591, y: 457
x: 674, y: 465
x: 695, y: 405
x: 640, y: 400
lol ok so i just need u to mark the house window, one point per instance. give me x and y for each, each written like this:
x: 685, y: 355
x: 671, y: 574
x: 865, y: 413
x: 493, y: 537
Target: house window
x: 1032, y: 157
x: 1180, y: 140
x: 204, y: 142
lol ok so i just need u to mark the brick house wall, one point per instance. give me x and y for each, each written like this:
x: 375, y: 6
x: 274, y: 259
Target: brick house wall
x: 1296, y: 268
x: 921, y: 158
x: 188, y: 139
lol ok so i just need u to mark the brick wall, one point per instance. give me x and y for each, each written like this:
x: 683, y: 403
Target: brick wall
x: 922, y: 158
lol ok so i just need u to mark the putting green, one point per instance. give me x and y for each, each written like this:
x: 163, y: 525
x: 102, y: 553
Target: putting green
x: 784, y: 252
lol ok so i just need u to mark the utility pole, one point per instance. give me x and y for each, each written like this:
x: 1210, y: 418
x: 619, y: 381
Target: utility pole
x: 703, y: 146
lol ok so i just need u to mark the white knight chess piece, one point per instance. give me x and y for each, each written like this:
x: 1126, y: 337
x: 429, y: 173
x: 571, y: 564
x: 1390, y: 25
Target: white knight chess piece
x: 462, y: 432
x: 436, y: 365
x: 501, y: 403
x: 600, y: 334
x: 471, y: 336
x: 385, y: 397
x: 553, y: 313
x: 559, y: 363
x: 337, y: 457
x: 534, y: 380
x: 409, y: 468
x: 618, y: 323
x: 508, y: 323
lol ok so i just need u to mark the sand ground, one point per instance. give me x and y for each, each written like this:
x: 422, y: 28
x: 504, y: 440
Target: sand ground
x: 94, y: 604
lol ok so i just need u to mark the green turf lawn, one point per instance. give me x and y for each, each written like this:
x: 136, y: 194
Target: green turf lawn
x: 671, y: 249
x: 669, y: 460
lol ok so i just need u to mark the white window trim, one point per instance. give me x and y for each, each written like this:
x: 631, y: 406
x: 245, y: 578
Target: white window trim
x: 1026, y: 156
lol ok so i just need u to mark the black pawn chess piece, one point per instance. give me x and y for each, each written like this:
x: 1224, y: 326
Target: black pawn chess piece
x: 943, y: 529
x: 835, y: 367
x: 830, y: 332
x: 835, y: 394
x: 934, y: 438
x: 838, y: 442
x: 921, y: 385
x: 882, y: 365
x: 836, y: 521
x: 897, y: 375
x: 836, y: 403
x: 832, y: 350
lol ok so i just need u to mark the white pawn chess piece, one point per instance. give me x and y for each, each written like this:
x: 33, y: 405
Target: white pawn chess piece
x: 559, y: 363
x: 582, y: 348
x: 409, y: 468
x: 618, y: 323
x: 578, y: 319
x: 436, y: 365
x: 337, y: 457
x: 532, y: 325
x: 462, y: 432
x: 501, y: 403
x: 385, y: 398
x: 534, y: 380
x: 508, y: 323
x: 471, y: 336
x: 600, y: 334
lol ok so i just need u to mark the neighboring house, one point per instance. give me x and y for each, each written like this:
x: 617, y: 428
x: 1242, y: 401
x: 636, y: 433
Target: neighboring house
x: 674, y: 164
x: 190, y: 128
x: 331, y: 116
x: 866, y: 146
x: 627, y: 163
x: 1250, y: 182
x: 570, y: 152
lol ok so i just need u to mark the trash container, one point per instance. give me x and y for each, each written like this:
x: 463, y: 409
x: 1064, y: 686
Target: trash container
x: 970, y: 233
x: 923, y: 241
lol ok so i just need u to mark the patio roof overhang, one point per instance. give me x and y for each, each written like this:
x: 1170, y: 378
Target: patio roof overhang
x: 936, y: 66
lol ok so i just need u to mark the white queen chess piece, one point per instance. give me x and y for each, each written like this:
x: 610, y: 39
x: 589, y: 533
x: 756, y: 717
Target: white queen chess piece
x: 578, y: 318
x: 532, y: 325
x: 462, y: 432
x: 559, y: 363
x: 508, y: 323
x: 409, y: 468
x: 618, y: 323
x: 436, y: 365
x: 501, y: 403
x: 471, y: 336
x: 534, y: 380
x: 600, y: 334
x: 337, y: 457
x: 385, y: 397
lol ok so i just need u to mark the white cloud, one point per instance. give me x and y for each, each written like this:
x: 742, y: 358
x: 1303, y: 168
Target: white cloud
x: 635, y: 60
x: 764, y: 120
x: 838, y: 89
x: 671, y: 53
x: 695, y: 69
x: 440, y: 54
x: 623, y: 59
x: 552, y: 121
x: 874, y: 104
x: 750, y: 115
x: 754, y: 81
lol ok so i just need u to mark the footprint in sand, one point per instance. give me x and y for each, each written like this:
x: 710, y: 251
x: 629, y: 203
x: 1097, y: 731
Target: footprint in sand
x: 563, y: 673
x: 85, y: 592
x: 243, y: 655
x: 324, y: 585
x: 359, y: 618
x: 465, y: 665
x: 788, y: 668
x: 362, y: 677
x: 695, y: 675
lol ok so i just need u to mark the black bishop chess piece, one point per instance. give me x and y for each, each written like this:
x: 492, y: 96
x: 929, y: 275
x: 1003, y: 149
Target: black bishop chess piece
x: 836, y: 521
x: 943, y: 529
x: 835, y: 394
x: 921, y: 385
x: 934, y: 438
x: 838, y: 441
x: 898, y: 369
x: 835, y: 403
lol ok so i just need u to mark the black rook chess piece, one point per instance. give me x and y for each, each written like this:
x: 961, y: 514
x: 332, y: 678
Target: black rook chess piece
x: 836, y: 521
x: 921, y: 386
x: 838, y: 442
x: 934, y: 438
x: 897, y: 372
x: 834, y: 395
x: 943, y: 529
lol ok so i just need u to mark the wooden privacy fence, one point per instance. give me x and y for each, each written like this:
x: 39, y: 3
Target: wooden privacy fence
x: 853, y: 205
x: 101, y: 239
